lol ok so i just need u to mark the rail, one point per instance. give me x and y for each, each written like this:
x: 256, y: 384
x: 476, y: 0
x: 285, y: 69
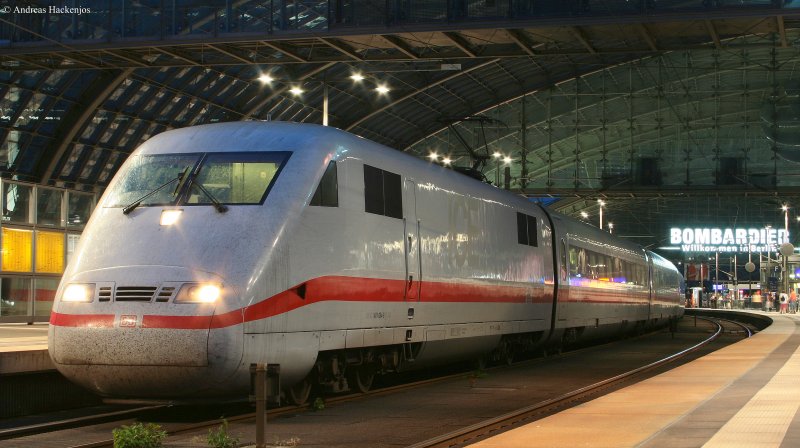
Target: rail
x: 503, y: 422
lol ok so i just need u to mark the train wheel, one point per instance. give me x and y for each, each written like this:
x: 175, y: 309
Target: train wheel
x: 360, y: 378
x: 299, y: 393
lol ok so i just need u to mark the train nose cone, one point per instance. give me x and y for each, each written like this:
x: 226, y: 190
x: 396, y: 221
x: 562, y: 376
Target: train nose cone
x: 142, y: 343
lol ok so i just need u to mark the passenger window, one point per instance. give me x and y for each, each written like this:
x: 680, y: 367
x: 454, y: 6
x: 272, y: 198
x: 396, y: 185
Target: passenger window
x: 327, y: 194
x: 573, y: 262
x: 526, y: 230
x: 383, y: 192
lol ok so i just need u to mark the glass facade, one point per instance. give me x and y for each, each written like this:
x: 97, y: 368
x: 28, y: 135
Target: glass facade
x: 36, y: 246
x: 17, y: 203
x: 15, y: 296
x: 44, y: 295
x: 49, y: 207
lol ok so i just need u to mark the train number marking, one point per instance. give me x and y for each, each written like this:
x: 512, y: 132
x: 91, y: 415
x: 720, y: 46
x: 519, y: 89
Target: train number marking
x: 127, y: 320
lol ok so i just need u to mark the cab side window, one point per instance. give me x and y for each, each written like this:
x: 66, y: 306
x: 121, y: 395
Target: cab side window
x: 383, y: 192
x: 327, y: 194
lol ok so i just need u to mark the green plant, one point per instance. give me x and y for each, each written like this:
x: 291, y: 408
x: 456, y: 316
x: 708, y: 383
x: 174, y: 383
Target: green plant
x: 139, y: 435
x: 221, y: 438
x: 318, y: 404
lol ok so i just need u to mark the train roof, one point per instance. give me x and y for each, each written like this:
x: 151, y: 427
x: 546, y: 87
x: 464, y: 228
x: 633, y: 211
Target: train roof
x: 288, y: 136
x: 244, y: 136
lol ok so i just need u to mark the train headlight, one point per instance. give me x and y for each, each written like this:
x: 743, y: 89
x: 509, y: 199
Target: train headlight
x: 170, y: 217
x: 78, y: 292
x: 198, y: 293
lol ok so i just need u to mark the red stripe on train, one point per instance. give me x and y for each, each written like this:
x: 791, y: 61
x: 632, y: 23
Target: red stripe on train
x: 335, y: 288
x: 82, y: 320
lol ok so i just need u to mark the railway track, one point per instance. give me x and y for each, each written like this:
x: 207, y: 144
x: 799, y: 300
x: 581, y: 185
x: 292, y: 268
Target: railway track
x: 130, y: 416
x: 456, y: 438
x: 510, y: 420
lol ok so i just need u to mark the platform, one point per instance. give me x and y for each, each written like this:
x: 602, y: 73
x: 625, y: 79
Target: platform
x: 744, y: 395
x: 23, y: 349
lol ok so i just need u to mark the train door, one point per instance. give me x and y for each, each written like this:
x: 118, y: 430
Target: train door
x: 411, y: 227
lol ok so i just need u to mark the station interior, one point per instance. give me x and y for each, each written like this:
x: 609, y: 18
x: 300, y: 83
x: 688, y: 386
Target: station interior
x: 674, y: 115
x: 672, y: 124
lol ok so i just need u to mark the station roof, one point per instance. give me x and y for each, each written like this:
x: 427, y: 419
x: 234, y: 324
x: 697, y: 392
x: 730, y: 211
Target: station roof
x: 674, y: 113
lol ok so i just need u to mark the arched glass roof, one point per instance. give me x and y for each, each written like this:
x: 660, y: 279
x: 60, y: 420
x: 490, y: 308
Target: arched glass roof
x: 671, y: 102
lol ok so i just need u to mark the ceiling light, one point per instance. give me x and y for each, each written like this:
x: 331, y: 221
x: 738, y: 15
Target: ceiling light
x: 446, y: 160
x: 265, y: 78
x: 433, y: 156
x: 357, y: 77
x: 296, y: 91
x: 382, y: 89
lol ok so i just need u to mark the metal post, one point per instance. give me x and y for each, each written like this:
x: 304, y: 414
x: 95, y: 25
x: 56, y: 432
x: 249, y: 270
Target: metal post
x: 716, y: 278
x: 258, y: 375
x: 785, y: 273
x: 325, y: 104
x: 601, y: 216
x: 736, y: 295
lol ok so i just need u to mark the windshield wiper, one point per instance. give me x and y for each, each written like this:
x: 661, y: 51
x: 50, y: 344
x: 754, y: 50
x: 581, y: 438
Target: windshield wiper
x: 132, y: 206
x: 220, y: 207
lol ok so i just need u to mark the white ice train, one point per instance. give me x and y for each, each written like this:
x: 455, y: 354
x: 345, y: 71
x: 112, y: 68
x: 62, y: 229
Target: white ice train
x: 222, y: 245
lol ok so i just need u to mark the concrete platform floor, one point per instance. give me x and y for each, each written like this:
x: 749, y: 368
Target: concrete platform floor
x: 744, y: 395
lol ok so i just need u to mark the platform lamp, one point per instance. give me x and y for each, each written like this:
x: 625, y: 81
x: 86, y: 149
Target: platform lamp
x: 735, y: 273
x: 611, y: 227
x: 497, y: 156
x: 750, y: 267
x: 507, y: 172
x: 786, y: 249
x: 716, y: 273
x: 769, y: 256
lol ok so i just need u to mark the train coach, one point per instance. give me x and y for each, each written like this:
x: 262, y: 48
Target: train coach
x: 222, y: 245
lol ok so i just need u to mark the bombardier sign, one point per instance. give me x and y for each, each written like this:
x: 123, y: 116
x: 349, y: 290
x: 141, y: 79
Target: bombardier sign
x: 727, y: 240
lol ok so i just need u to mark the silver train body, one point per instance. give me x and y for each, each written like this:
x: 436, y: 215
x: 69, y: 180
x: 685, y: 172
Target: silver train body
x: 327, y: 254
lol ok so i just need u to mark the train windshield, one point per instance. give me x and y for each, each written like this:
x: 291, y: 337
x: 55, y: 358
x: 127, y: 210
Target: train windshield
x: 196, y: 179
x: 146, y: 174
x: 235, y: 178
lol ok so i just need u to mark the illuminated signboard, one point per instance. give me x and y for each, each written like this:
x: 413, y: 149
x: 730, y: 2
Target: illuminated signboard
x: 726, y: 240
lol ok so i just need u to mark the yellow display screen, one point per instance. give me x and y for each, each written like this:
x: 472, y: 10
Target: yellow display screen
x: 17, y: 250
x: 50, y: 252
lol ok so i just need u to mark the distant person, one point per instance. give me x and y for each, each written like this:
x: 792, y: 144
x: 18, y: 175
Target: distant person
x: 756, y: 299
x: 793, y: 301
x: 784, y: 302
